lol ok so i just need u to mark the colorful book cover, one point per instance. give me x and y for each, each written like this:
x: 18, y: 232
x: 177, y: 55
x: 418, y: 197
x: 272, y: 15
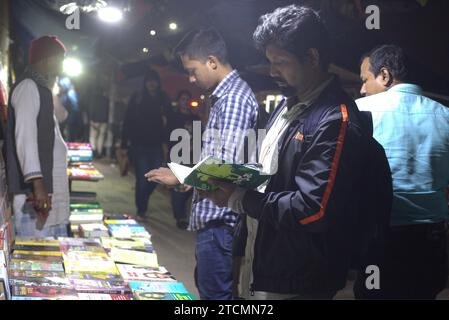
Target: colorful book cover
x: 85, y: 218
x: 36, y: 248
x: 42, y: 292
x: 95, y: 276
x: 35, y: 266
x: 142, y: 295
x: 26, y: 274
x: 134, y: 257
x: 86, y: 255
x: 37, y: 242
x: 85, y: 248
x: 31, y: 257
x: 79, y: 242
x: 121, y: 222
x: 100, y: 286
x: 90, y: 266
x: 39, y: 253
x: 162, y: 287
x: 50, y: 298
x: 139, y: 273
x: 84, y: 205
x: 128, y: 231
x: 86, y: 211
x: 244, y: 175
x: 102, y: 296
x: 43, y: 282
x: 130, y: 244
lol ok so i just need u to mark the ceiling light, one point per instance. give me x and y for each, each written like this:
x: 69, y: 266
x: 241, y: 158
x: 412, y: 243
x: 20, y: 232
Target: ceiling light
x: 72, y: 67
x: 110, y: 14
x: 153, y: 32
x: 173, y: 26
x: 145, y: 50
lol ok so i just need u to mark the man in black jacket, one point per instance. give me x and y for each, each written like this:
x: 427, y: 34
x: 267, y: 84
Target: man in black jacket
x: 315, y: 151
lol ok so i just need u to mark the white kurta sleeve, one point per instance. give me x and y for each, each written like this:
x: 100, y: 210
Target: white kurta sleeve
x: 26, y: 104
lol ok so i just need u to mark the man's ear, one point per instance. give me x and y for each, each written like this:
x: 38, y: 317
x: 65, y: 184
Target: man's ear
x: 385, y: 77
x: 212, y: 62
x: 314, y: 57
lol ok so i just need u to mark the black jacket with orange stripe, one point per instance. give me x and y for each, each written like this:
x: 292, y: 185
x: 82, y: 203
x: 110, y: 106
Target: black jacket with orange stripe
x: 308, y: 211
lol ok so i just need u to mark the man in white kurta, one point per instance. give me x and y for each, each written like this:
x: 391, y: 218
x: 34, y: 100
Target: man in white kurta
x: 25, y: 102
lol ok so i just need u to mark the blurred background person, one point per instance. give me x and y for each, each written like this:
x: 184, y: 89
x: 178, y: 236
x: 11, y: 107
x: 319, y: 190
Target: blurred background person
x: 99, y: 117
x: 181, y: 118
x: 143, y: 135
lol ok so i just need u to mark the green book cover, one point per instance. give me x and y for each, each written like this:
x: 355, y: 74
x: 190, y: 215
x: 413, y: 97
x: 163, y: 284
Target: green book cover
x: 247, y: 176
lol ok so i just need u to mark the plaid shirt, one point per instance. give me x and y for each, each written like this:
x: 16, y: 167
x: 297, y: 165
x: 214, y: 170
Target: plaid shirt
x: 234, y: 111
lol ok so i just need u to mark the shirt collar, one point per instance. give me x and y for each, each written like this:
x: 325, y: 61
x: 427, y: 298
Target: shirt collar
x: 407, y: 88
x: 309, y: 97
x: 222, y: 87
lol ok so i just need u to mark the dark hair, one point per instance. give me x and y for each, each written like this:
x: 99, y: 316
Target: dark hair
x: 202, y: 43
x: 296, y: 29
x: 183, y: 92
x: 391, y: 57
x: 152, y: 75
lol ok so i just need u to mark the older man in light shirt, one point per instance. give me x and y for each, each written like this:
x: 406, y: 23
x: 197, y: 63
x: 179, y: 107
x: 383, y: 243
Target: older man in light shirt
x: 414, y: 131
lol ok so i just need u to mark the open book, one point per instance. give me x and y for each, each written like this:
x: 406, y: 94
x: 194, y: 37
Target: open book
x: 244, y: 175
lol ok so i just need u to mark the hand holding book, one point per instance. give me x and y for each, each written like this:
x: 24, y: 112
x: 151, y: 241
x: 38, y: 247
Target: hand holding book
x: 163, y: 176
x: 220, y: 196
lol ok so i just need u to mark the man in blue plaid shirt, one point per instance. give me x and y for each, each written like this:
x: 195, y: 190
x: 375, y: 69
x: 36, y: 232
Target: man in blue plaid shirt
x: 234, y: 111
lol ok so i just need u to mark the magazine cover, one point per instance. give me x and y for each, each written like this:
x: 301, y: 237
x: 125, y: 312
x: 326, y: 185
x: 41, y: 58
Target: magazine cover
x: 26, y: 274
x: 142, y: 295
x: 37, y: 242
x: 163, y: 287
x: 100, y: 286
x: 35, y: 266
x: 134, y: 257
x: 42, y: 292
x: 95, y: 276
x: 30, y: 257
x: 90, y: 266
x: 130, y: 244
x: 140, y: 273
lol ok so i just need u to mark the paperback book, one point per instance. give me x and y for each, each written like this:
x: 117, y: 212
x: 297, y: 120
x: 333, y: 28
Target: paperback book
x: 244, y: 175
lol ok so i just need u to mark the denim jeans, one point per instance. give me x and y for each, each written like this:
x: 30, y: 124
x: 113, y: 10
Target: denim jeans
x: 179, y: 201
x: 144, y: 159
x: 213, y: 272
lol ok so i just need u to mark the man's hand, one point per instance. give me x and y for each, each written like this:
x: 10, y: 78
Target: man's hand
x: 221, y: 196
x: 163, y: 176
x: 41, y: 200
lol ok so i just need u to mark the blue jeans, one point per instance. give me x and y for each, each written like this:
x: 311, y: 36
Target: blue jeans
x: 144, y: 159
x: 179, y: 204
x: 213, y: 272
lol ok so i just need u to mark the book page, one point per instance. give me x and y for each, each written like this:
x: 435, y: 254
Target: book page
x: 181, y: 172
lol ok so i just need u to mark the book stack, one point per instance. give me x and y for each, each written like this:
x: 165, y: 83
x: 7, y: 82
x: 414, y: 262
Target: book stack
x: 36, y: 272
x: 82, y: 213
x: 84, y: 172
x: 86, y: 269
x: 91, y: 272
x: 93, y: 230
x: 79, y: 152
x: 125, y: 229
